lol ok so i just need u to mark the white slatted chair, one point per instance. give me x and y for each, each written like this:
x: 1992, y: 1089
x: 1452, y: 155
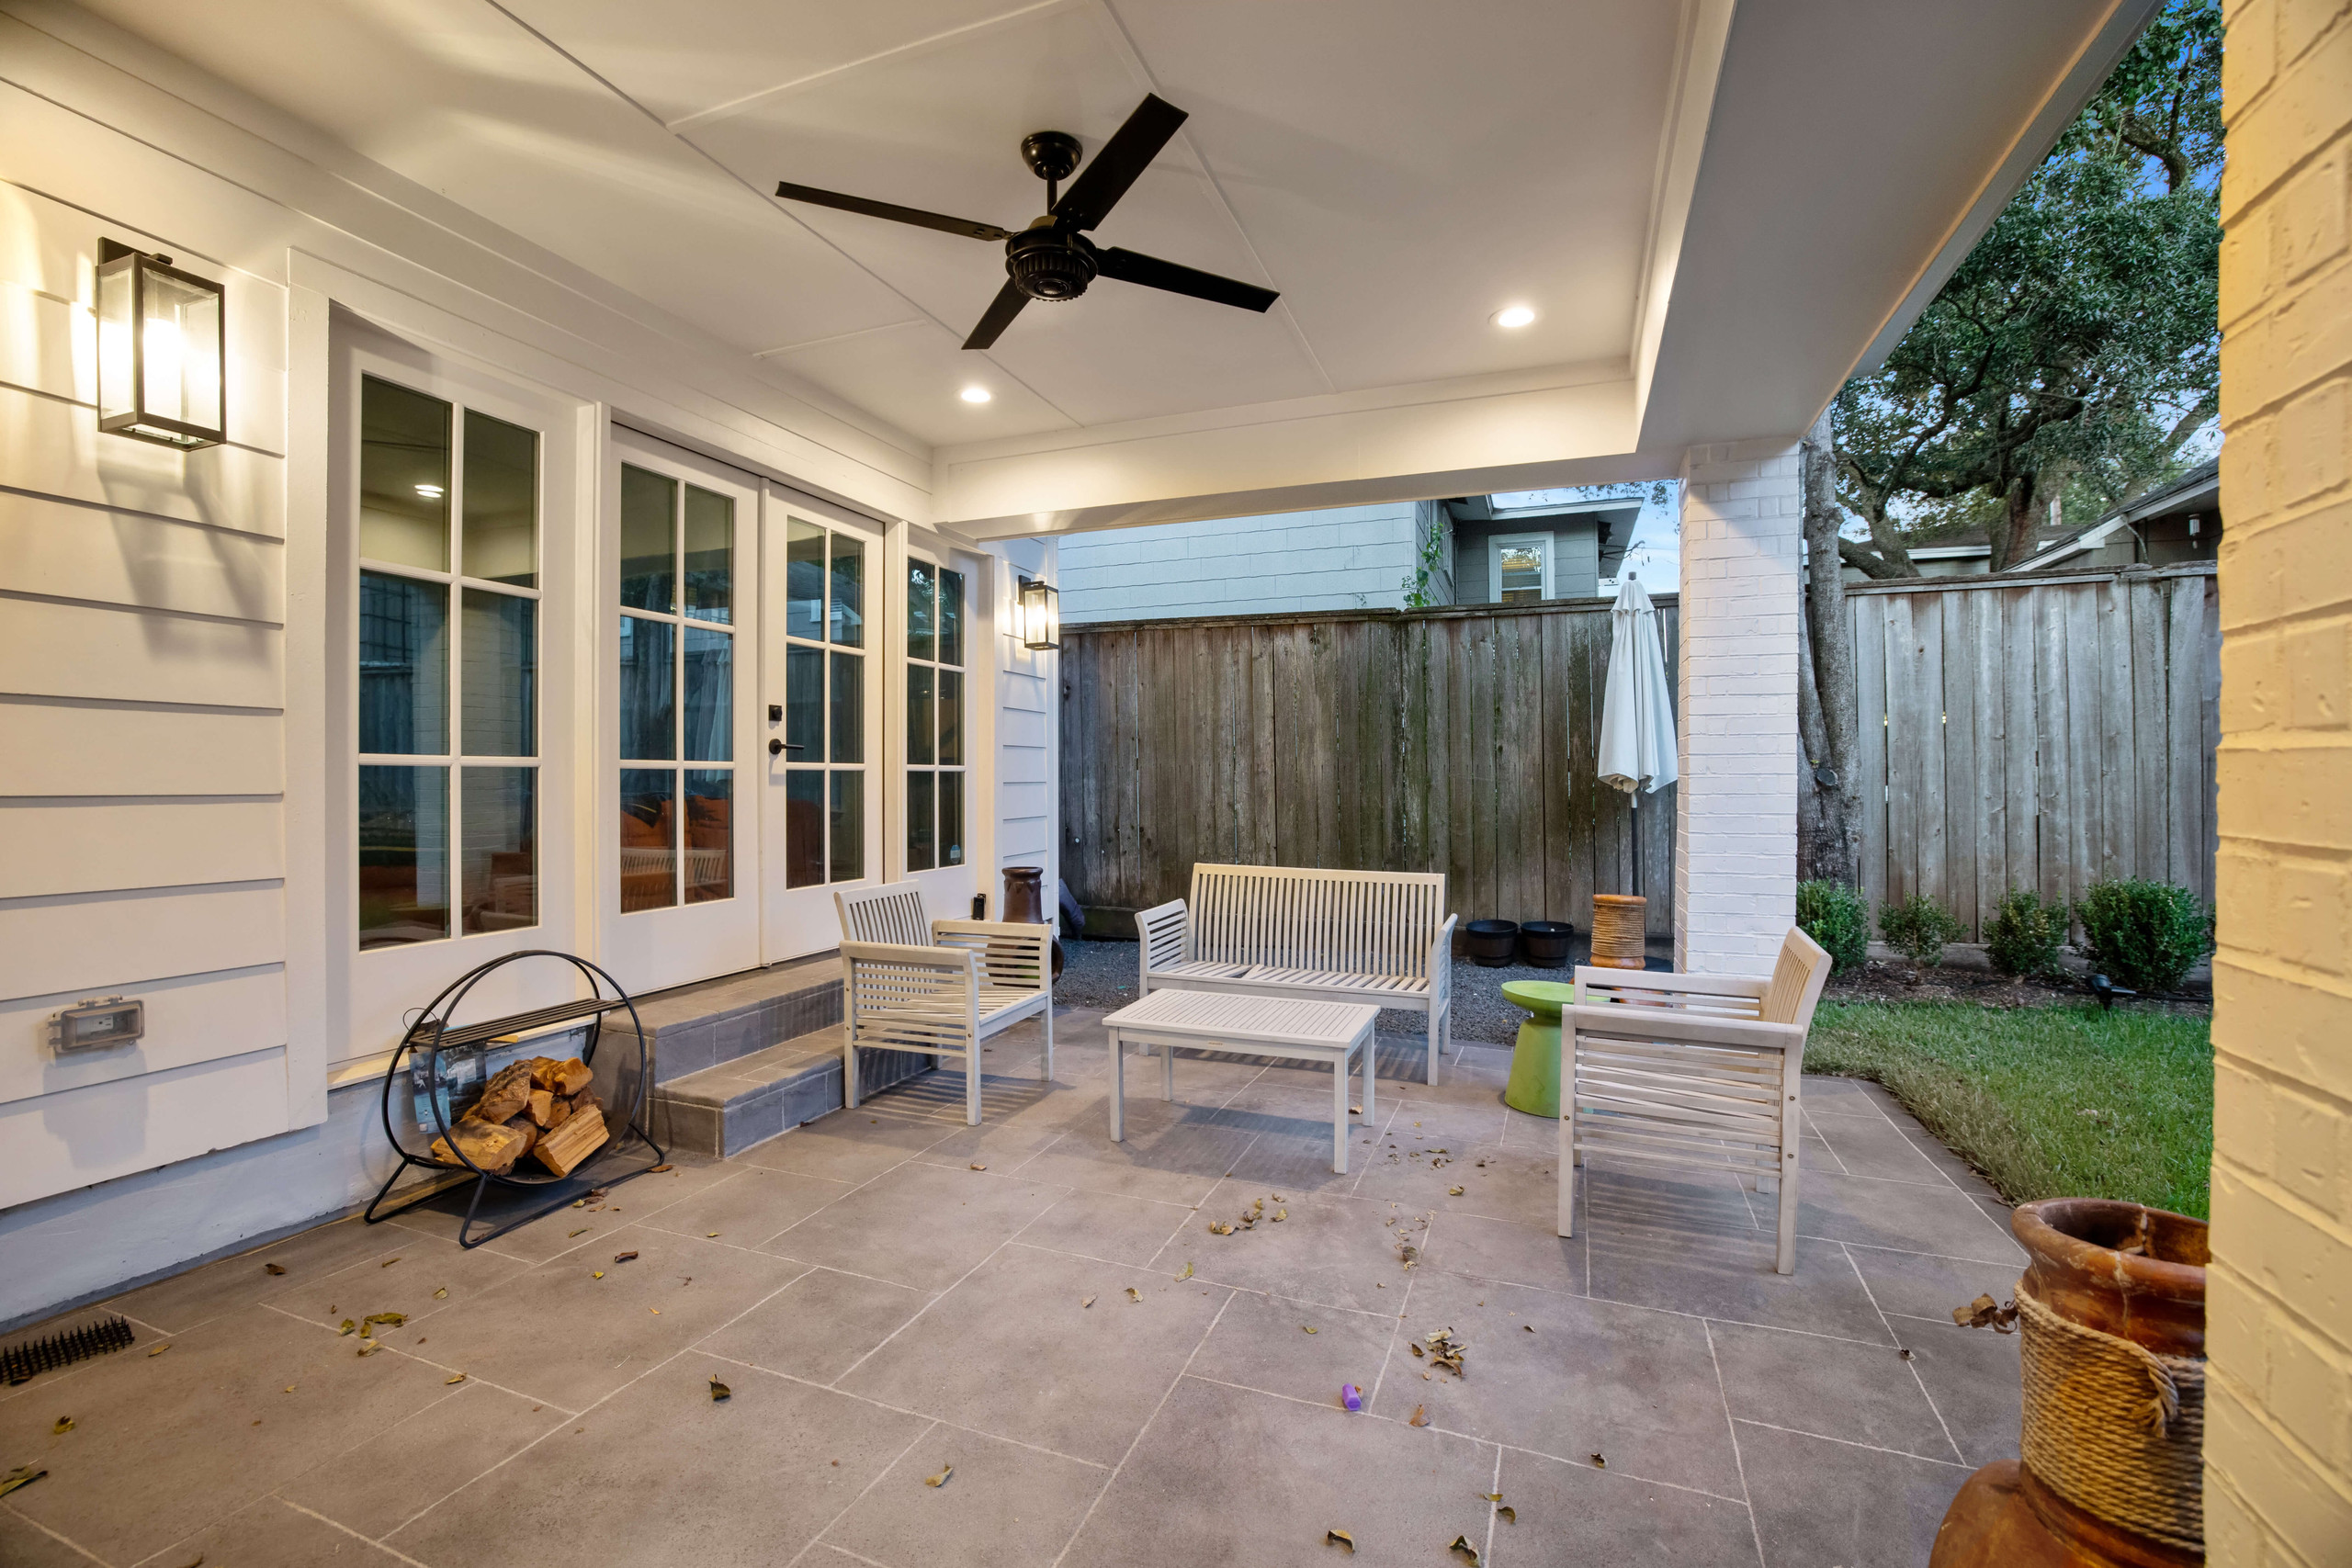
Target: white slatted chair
x: 911, y: 983
x: 1381, y: 937
x: 1690, y: 1069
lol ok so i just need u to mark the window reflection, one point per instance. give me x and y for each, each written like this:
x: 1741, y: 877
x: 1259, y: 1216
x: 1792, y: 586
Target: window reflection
x: 849, y: 591
x: 710, y: 702
x: 710, y: 846
x: 649, y: 696
x: 404, y: 855
x: 649, y: 839
x: 804, y: 579
x: 951, y: 616
x: 804, y: 827
x: 848, y: 827
x: 404, y: 476
x: 710, y: 555
x: 649, y: 542
x: 501, y: 876
x: 498, y: 690
x: 501, y: 511
x: 922, y: 641
x: 404, y: 665
x: 922, y: 852
x: 849, y: 707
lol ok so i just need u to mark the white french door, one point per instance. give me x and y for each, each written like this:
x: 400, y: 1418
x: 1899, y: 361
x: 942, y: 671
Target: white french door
x: 678, y: 596
x: 453, y: 582
x: 821, y: 755
x: 943, y: 680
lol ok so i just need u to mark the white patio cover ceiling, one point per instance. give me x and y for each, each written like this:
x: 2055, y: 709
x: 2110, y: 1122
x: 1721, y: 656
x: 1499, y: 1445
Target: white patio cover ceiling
x: 1716, y: 209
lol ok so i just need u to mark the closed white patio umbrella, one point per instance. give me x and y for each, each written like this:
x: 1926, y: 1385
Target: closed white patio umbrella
x: 1636, y: 712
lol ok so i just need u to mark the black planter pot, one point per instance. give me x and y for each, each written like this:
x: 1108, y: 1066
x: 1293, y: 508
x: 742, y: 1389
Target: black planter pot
x: 1491, y: 943
x: 1546, y: 943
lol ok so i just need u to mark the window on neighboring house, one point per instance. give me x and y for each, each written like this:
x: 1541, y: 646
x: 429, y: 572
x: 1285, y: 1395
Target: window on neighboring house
x: 449, y: 670
x: 1521, y: 567
x: 824, y: 706
x: 934, y: 716
x: 677, y: 692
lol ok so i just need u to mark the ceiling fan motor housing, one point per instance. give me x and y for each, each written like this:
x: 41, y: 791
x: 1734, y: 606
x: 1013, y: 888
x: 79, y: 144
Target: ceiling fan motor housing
x: 1045, y: 264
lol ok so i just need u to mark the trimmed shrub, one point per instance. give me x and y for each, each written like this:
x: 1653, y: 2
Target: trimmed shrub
x: 1918, y: 928
x: 2023, y: 936
x: 2144, y: 934
x: 1837, y: 918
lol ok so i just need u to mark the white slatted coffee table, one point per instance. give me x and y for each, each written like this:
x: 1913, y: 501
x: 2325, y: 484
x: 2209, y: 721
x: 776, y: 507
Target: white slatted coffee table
x: 1257, y: 1026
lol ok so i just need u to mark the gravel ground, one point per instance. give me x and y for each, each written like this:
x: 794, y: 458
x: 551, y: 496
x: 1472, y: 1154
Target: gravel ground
x: 1103, y: 974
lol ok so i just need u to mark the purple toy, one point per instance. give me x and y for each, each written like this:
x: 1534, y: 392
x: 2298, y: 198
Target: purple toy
x: 1351, y: 1396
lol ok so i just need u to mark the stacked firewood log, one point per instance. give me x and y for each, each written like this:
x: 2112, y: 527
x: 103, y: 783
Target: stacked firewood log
x: 542, y: 1108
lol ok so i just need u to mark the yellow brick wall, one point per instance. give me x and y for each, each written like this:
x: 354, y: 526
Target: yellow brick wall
x: 2278, y: 1434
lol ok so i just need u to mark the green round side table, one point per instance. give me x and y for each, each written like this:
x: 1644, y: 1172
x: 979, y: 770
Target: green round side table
x: 1535, y: 1085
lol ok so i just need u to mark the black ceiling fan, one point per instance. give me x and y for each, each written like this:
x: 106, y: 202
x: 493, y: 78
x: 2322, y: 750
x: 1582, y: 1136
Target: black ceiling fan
x: 1052, y: 259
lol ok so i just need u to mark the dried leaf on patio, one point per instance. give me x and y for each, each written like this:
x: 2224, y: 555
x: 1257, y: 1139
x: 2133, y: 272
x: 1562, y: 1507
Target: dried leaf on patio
x: 1600, y: 1464
x: 980, y: 1168
x: 660, y: 1169
x: 1343, y: 1537
x: 1188, y: 1270
x: 1087, y: 1301
x: 23, y: 1475
x: 1468, y: 1553
x: 712, y: 1234
x: 1419, y: 1352
x: 1281, y: 1214
x: 940, y: 1479
x: 388, y: 1262
x: 1906, y: 1352
x: 578, y: 1204
x: 1134, y: 1295
x: 1420, y: 1417
x: 582, y: 1231
x: 459, y: 1377
x: 597, y: 1274
x: 273, y: 1267
x: 1986, y: 1312
x: 1490, y: 1496
x: 64, y: 1425
x: 1389, y: 1220
x: 720, y: 1393
x: 442, y: 1294
x: 1529, y: 1326
x: 389, y: 1319
x: 1355, y: 1110
x: 1507, y: 1514
x: 167, y: 1345
x: 348, y: 1327
x: 623, y: 1256
x: 370, y: 1348
x: 1218, y: 1228
x: 1308, y: 1330
x: 1453, y: 1192
x: 289, y: 1388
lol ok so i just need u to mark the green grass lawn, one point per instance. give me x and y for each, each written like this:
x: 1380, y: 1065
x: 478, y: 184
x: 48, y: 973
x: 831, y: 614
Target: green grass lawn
x: 2009, y: 1089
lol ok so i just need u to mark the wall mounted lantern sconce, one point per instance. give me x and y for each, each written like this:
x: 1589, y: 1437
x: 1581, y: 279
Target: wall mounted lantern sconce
x: 162, y: 350
x: 1037, y: 614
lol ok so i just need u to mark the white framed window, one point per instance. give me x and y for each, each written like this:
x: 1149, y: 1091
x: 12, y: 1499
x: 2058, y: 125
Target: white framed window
x: 1519, y: 568
x: 677, y: 692
x: 447, y: 644
x: 825, y: 674
x: 935, y: 760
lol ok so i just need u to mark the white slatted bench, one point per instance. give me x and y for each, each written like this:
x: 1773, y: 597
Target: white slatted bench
x: 1261, y: 1026
x: 911, y: 983
x: 1381, y: 937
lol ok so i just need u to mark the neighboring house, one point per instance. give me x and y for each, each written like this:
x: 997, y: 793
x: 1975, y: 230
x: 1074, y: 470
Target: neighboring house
x: 1341, y: 557
x: 2179, y: 523
x: 1349, y: 558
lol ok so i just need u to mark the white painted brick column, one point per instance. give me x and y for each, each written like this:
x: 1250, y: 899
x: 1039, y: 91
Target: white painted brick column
x: 1735, y: 679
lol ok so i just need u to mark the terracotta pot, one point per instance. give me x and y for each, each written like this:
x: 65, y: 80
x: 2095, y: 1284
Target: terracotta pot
x: 2153, y: 1294
x: 1024, y: 903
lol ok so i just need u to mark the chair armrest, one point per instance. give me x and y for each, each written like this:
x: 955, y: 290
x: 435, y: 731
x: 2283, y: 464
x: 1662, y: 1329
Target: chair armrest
x: 1681, y: 1027
x: 947, y: 960
x: 1441, y: 960
x: 1018, y: 929
x: 1163, y: 932
x: 1714, y: 996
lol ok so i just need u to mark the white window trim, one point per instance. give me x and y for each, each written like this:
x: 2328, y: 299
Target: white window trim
x: 1498, y: 543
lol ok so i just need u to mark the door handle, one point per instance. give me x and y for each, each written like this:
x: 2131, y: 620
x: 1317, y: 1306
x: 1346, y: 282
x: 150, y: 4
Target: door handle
x: 778, y: 748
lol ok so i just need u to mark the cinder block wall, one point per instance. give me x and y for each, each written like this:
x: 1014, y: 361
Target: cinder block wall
x: 1736, y: 854
x: 2279, y: 1426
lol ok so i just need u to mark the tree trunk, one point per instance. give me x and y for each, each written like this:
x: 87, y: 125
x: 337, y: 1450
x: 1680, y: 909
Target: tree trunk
x: 1832, y: 850
x: 2012, y: 531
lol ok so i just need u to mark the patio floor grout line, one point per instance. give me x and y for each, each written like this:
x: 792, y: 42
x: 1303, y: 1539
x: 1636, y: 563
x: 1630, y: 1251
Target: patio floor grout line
x: 1467, y: 1438
x: 1497, y: 1488
x: 902, y: 1409
x: 1933, y: 1407
x: 408, y: 1354
x: 356, y: 1535
x: 1112, y: 1478
x: 819, y: 1536
x: 1731, y: 1429
x: 67, y: 1542
x: 943, y: 1292
x: 1850, y: 1443
x: 1388, y: 1353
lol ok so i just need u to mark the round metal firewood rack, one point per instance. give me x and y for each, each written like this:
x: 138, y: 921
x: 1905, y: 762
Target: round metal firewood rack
x: 438, y: 1059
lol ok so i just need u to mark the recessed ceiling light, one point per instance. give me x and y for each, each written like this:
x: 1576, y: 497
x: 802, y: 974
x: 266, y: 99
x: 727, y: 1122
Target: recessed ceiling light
x: 430, y: 492
x: 1514, y: 316
x: 976, y: 394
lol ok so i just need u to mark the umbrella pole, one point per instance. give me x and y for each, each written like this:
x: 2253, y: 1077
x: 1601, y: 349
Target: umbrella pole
x: 1634, y: 801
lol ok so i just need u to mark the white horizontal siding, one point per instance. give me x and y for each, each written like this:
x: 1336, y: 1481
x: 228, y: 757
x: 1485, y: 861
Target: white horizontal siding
x: 96, y: 845
x: 95, y: 1134
x: 89, y: 942
x: 71, y: 551
x: 49, y: 650
x: 1336, y: 558
x: 51, y: 447
x: 189, y: 1019
x: 61, y: 748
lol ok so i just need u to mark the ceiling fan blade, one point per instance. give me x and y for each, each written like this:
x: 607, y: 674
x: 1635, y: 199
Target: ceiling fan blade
x: 1129, y: 151
x: 891, y: 210
x: 1002, y: 309
x: 1128, y: 267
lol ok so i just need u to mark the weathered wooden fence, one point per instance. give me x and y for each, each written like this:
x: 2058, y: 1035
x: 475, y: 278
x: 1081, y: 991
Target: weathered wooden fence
x: 2041, y: 733
x: 1459, y: 741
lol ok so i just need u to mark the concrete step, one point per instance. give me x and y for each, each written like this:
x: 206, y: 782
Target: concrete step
x: 726, y: 1109
x: 694, y: 1028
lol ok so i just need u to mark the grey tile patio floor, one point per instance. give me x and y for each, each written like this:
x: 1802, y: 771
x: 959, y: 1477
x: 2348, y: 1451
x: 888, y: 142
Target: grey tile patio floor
x: 890, y: 1292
